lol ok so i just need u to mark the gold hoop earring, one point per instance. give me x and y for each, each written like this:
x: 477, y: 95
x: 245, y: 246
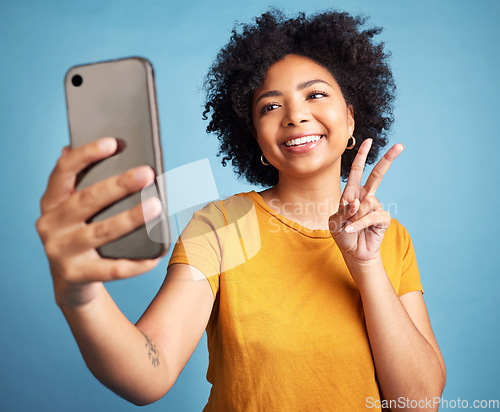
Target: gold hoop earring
x: 353, y: 142
x: 262, y: 160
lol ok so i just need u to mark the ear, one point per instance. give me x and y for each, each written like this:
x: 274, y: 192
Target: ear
x: 350, y: 119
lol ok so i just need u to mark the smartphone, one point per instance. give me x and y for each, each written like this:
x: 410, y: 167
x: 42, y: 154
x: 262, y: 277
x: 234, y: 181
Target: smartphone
x: 117, y: 98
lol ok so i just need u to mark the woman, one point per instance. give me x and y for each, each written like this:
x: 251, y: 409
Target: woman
x: 310, y: 296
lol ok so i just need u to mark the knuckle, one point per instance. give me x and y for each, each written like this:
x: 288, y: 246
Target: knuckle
x: 117, y: 271
x: 122, y: 180
x: 126, y: 181
x: 44, y: 228
x: 356, y: 168
x: 87, y: 195
x: 382, y: 216
x: 374, y: 203
x: 65, y: 273
x: 365, y: 206
x: 61, y: 164
x: 71, y: 273
x: 89, y: 152
x: 100, y: 230
x: 388, y: 156
x: 52, y: 249
x: 377, y: 173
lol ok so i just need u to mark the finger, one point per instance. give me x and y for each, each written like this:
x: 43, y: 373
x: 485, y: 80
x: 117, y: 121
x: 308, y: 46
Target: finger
x: 99, y: 233
x: 380, y: 169
x: 62, y: 179
x: 87, y: 202
x: 337, y: 221
x: 358, y: 164
x: 104, y: 270
x: 379, y: 219
x: 368, y: 205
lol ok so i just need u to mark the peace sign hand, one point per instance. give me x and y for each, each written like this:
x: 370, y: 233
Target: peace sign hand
x: 359, y: 225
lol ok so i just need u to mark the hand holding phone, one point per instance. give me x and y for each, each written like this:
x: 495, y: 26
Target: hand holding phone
x: 71, y: 243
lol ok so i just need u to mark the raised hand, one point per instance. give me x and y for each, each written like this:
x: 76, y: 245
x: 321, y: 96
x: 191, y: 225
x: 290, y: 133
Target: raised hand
x: 359, y: 225
x: 70, y: 243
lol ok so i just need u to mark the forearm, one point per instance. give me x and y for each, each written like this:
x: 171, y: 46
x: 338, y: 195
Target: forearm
x: 117, y: 352
x: 406, y: 364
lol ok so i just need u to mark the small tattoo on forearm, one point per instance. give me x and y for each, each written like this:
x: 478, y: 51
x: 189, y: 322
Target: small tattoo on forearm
x: 153, y: 353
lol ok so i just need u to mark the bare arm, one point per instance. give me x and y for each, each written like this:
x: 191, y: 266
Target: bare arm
x: 407, y: 359
x: 179, y: 314
x: 141, y: 362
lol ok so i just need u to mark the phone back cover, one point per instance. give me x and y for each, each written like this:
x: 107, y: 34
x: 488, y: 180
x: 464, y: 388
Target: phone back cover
x: 117, y: 98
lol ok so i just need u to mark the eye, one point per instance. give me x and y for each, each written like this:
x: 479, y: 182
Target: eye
x: 316, y: 95
x: 269, y: 107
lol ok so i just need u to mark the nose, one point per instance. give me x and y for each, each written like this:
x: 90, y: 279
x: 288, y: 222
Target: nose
x: 296, y: 113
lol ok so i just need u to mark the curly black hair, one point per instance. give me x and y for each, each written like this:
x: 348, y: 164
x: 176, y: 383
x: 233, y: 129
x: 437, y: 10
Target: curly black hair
x: 334, y: 40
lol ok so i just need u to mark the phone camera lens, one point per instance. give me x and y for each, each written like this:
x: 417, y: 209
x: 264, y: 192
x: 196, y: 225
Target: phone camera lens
x: 77, y: 80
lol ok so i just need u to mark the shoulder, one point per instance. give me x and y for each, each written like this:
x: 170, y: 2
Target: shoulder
x: 227, y: 229
x: 238, y: 206
x: 396, y: 236
x: 397, y: 230
x: 230, y: 208
x: 222, y: 212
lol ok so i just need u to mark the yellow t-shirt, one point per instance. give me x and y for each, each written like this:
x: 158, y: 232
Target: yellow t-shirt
x: 287, y: 331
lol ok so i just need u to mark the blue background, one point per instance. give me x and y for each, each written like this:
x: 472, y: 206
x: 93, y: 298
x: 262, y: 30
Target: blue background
x: 445, y: 62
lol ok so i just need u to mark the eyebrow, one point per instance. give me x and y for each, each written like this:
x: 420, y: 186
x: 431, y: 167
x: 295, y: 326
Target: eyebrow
x: 300, y: 86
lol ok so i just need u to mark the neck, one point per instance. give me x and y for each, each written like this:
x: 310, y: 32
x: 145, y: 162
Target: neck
x: 309, y: 201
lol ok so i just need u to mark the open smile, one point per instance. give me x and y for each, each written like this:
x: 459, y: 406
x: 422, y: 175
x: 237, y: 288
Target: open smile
x: 304, y: 140
x: 303, y: 144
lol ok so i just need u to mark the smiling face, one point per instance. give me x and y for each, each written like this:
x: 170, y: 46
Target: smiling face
x: 301, y: 120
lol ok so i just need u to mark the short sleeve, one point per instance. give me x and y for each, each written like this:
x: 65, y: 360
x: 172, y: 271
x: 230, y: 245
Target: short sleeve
x: 220, y: 237
x: 410, y: 274
x: 199, y: 246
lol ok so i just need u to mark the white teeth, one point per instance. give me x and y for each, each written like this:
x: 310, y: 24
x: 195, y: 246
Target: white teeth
x: 303, y: 140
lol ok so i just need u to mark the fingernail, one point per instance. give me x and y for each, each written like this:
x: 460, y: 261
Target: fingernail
x: 151, y: 208
x: 107, y: 144
x: 349, y: 229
